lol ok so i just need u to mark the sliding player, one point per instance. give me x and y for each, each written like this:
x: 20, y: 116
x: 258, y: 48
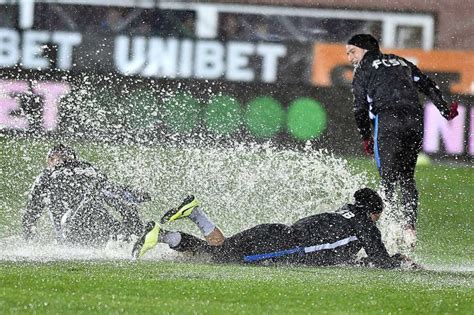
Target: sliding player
x: 322, y: 239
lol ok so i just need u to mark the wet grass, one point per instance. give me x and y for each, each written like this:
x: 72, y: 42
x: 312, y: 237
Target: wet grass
x: 183, y: 288
x: 445, y: 237
x: 446, y: 210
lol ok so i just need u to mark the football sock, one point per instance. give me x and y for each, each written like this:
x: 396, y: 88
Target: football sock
x: 171, y: 238
x: 205, y: 225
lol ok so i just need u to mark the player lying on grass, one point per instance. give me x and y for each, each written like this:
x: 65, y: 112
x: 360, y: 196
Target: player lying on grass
x: 321, y: 239
x: 79, y: 199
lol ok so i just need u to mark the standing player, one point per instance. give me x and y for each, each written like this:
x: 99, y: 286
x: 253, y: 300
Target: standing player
x: 79, y: 198
x: 386, y: 86
x: 322, y: 239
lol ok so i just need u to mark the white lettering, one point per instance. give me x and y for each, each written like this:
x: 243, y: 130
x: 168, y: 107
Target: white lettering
x: 348, y: 215
x: 394, y: 62
x: 385, y: 62
x: 203, y: 59
x: 238, y: 61
x: 162, y: 57
x: 66, y: 41
x: 126, y: 62
x: 9, y: 41
x: 209, y: 62
x: 376, y: 63
x: 186, y: 59
x: 32, y: 50
x: 270, y: 54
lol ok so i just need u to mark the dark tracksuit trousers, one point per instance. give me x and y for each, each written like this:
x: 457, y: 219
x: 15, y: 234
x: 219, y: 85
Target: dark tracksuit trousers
x: 398, y: 139
x: 265, y: 239
x: 261, y: 238
x: 93, y: 224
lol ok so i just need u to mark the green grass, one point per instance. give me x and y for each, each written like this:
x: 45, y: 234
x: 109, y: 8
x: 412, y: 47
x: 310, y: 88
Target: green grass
x: 183, y: 288
x: 445, y: 237
x: 446, y: 210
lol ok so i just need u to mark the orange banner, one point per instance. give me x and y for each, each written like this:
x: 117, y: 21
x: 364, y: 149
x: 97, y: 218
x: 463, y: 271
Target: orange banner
x: 330, y: 64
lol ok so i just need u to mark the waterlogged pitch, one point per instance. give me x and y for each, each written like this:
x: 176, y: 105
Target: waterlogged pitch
x: 239, y: 187
x: 159, y: 287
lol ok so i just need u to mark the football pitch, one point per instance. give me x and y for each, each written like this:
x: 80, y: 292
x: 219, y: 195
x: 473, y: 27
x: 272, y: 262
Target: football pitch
x: 118, y: 285
x: 185, y: 288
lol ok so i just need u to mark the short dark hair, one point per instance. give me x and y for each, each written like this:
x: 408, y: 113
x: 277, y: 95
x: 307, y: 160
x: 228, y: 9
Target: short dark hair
x: 64, y: 151
x: 369, y: 199
x: 364, y: 41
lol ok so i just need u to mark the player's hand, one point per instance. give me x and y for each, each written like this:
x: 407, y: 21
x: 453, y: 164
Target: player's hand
x: 453, y: 111
x: 142, y: 196
x: 29, y: 234
x: 407, y: 262
x: 136, y: 196
x: 369, y: 146
x: 414, y: 266
x: 145, y: 196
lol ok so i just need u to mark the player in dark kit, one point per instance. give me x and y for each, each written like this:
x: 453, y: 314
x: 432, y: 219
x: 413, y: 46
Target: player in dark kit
x: 385, y: 88
x: 79, y: 199
x: 322, y: 239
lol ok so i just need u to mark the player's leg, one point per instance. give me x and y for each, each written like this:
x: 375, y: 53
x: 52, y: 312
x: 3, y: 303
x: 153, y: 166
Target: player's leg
x: 262, y: 239
x: 189, y: 208
x: 184, y: 242
x: 91, y: 224
x: 410, y: 208
x: 409, y: 192
x: 412, y: 146
x: 176, y: 240
x: 387, y: 146
x: 180, y: 241
x: 132, y: 224
x: 259, y: 239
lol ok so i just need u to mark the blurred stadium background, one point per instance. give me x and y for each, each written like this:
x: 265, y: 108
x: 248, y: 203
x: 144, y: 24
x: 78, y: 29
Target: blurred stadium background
x: 157, y: 71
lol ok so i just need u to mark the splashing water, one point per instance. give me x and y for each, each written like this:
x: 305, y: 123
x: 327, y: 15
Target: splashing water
x: 395, y: 237
x: 238, y: 186
x: 241, y: 186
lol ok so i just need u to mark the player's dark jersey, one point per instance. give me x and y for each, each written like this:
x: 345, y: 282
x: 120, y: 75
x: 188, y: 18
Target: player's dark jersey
x: 336, y: 238
x: 73, y: 188
x: 321, y: 239
x: 385, y: 82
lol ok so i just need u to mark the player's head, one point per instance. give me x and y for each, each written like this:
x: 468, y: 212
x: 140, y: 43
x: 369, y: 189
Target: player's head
x: 60, y: 153
x: 369, y: 201
x: 358, y: 45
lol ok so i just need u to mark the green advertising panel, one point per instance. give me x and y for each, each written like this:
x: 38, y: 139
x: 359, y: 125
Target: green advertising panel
x: 306, y: 119
x: 264, y: 117
x: 181, y: 113
x: 223, y: 115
